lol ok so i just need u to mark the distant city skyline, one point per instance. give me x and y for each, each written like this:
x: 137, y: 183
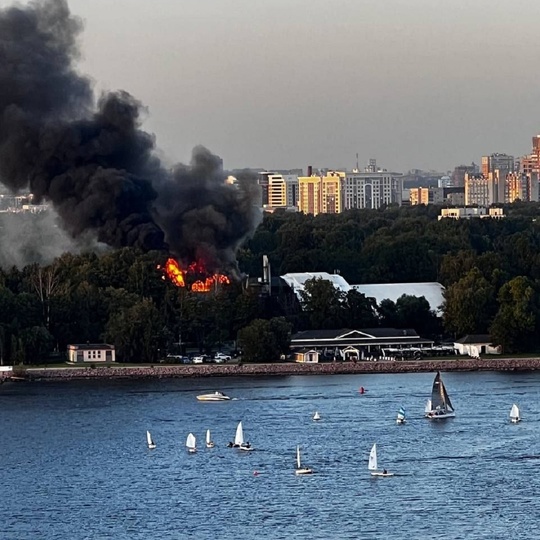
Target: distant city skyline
x: 289, y: 83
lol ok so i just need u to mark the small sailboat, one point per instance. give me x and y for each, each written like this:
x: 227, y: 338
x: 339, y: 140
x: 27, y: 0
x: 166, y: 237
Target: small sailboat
x: 150, y: 441
x: 299, y: 468
x: 401, y: 416
x: 239, y: 439
x: 209, y: 442
x: 441, y: 406
x: 514, y: 414
x: 372, y: 464
x: 191, y: 443
x: 316, y: 416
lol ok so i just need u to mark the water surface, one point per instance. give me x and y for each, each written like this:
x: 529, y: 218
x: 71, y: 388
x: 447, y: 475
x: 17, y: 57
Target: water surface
x: 75, y: 463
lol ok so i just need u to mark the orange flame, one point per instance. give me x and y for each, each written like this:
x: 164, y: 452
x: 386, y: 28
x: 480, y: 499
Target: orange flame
x: 178, y: 276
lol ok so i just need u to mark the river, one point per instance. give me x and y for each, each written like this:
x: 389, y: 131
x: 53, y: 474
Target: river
x: 75, y: 463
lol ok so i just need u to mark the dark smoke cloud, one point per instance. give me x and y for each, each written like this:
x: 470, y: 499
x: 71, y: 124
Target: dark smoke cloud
x: 93, y: 161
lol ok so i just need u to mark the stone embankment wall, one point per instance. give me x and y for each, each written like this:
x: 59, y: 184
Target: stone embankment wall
x: 283, y: 369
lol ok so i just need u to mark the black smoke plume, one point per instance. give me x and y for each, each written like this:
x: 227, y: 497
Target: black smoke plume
x: 93, y: 161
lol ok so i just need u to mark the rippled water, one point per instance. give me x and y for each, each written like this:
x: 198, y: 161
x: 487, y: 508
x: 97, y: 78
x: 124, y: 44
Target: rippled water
x: 75, y: 463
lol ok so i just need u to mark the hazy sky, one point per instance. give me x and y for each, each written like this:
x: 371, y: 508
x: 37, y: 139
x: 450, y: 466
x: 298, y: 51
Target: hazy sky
x: 286, y: 83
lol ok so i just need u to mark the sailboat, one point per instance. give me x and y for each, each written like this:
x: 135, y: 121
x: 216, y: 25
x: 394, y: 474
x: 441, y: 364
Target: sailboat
x: 209, y: 442
x: 299, y: 468
x: 191, y: 443
x: 441, y: 406
x: 372, y: 464
x: 316, y: 416
x: 149, y: 441
x: 239, y: 439
x: 514, y: 414
x: 401, y: 416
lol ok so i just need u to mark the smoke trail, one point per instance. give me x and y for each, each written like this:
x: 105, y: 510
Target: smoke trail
x: 93, y: 162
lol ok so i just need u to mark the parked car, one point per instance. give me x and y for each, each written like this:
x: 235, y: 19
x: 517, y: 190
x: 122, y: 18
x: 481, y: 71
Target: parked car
x: 220, y: 357
x: 198, y: 359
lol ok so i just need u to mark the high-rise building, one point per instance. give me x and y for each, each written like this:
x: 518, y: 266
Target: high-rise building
x: 458, y: 176
x: 501, y: 162
x: 371, y: 189
x: 479, y: 189
x: 530, y: 166
x: 291, y: 181
x: 277, y: 191
x: 319, y: 194
x: 521, y: 186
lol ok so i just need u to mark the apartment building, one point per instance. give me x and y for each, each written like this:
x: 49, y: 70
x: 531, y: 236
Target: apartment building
x: 371, y: 189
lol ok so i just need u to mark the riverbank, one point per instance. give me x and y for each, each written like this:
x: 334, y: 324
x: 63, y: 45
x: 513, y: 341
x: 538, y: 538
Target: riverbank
x: 278, y: 369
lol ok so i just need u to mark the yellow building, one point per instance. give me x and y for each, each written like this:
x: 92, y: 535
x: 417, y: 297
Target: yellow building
x: 321, y: 194
x: 277, y: 191
x: 419, y: 196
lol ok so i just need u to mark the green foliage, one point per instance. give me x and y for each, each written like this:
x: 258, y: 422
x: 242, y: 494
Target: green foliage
x: 119, y: 295
x: 469, y: 304
x: 516, y: 322
x: 265, y: 340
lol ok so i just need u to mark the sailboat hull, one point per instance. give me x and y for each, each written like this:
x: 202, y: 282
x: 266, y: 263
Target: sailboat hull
x: 382, y: 475
x: 400, y: 421
x: 151, y: 446
x: 515, y: 420
x: 299, y: 472
x: 436, y: 415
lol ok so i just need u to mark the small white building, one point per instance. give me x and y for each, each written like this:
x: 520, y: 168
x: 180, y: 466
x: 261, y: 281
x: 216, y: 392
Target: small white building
x: 91, y: 352
x: 475, y: 345
x: 306, y: 356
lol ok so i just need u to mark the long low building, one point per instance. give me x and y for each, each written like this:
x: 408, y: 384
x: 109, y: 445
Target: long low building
x: 433, y: 292
x: 360, y: 343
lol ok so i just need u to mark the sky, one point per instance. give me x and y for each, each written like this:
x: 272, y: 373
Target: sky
x: 282, y: 84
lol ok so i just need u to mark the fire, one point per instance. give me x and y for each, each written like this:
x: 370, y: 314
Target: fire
x: 178, y: 276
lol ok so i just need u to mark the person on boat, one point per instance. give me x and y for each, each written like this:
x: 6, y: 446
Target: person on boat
x: 230, y: 444
x: 247, y: 445
x: 385, y: 471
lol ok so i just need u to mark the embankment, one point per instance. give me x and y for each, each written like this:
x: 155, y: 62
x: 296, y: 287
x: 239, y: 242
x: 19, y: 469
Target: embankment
x: 280, y: 369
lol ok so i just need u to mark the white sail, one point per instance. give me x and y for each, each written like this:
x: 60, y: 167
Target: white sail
x: 514, y: 413
x: 208, y: 438
x: 239, y: 437
x: 428, y: 406
x: 316, y: 416
x: 191, y: 441
x: 298, y: 462
x: 372, y: 465
x: 149, y: 440
x: 401, y: 415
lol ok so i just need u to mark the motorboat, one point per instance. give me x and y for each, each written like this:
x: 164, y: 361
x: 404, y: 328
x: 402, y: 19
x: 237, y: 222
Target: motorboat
x: 216, y: 396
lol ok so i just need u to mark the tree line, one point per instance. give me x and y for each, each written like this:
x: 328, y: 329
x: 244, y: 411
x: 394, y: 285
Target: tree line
x: 490, y: 268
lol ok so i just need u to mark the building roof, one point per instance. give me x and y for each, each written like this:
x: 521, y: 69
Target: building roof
x: 431, y: 291
x: 298, y: 280
x: 346, y: 337
x: 91, y: 346
x: 474, y: 339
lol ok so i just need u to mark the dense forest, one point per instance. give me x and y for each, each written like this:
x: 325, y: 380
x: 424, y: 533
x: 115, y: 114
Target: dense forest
x: 490, y: 268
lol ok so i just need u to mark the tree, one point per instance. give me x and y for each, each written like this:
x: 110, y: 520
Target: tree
x: 265, y: 341
x: 321, y: 302
x: 137, y: 332
x: 514, y: 326
x: 469, y: 305
x: 359, y: 311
